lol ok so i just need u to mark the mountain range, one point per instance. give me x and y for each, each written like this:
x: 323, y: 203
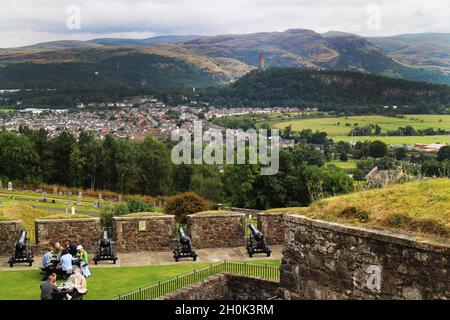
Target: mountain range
x: 214, y: 60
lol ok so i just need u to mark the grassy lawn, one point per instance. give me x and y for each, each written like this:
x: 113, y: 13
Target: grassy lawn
x: 339, y: 127
x: 105, y: 283
x: 28, y: 211
x: 420, y: 208
x: 345, y: 165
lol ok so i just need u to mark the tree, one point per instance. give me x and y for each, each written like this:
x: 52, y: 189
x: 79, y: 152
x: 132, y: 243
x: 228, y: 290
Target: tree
x: 443, y: 154
x: 400, y: 153
x: 377, y: 130
x: 154, y: 167
x: 206, y: 181
x: 343, y: 157
x: 18, y: 158
x: 127, y: 167
x: 184, y: 204
x: 287, y: 132
x: 90, y: 151
x: 378, y: 149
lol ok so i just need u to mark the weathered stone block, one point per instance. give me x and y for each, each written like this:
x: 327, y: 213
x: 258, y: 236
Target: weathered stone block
x: 80, y: 231
x: 272, y: 226
x: 327, y: 260
x: 9, y: 233
x: 152, y: 233
x: 217, y: 230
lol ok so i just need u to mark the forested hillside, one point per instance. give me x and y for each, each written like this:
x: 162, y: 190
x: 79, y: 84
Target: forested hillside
x: 131, y: 70
x: 330, y: 91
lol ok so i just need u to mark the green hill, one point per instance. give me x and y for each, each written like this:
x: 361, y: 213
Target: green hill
x: 201, y: 60
x: 131, y: 69
x: 422, y: 208
x: 330, y: 91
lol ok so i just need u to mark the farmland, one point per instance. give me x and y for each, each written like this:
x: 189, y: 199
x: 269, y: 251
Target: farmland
x: 339, y: 127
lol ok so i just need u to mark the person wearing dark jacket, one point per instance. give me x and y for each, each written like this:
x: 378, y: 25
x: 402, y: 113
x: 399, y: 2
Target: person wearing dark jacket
x: 71, y: 248
x: 48, y: 287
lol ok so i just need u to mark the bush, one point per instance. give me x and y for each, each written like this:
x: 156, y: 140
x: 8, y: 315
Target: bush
x: 184, y: 204
x: 378, y: 149
x: 343, y: 157
x: 109, y: 212
x: 137, y: 205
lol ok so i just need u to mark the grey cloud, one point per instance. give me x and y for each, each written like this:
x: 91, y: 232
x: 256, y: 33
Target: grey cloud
x: 28, y: 21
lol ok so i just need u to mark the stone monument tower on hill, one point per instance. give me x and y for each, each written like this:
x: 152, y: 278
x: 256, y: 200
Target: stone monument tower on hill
x: 262, y: 65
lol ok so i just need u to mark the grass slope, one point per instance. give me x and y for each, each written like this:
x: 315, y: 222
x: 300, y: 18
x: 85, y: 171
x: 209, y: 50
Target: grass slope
x: 422, y: 208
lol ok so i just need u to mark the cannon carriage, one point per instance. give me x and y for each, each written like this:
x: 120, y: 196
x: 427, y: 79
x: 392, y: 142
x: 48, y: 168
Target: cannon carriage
x: 22, y: 252
x: 256, y: 242
x: 184, y: 247
x: 105, y: 251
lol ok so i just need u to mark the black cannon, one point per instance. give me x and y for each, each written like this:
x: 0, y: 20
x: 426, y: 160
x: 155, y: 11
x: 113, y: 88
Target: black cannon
x: 22, y: 252
x: 256, y: 242
x: 105, y: 251
x: 184, y: 246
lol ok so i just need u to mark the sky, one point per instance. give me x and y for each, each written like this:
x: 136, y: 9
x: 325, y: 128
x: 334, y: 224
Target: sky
x: 25, y: 22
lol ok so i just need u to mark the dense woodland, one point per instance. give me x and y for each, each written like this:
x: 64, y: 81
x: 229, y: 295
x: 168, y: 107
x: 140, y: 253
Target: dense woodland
x: 338, y: 91
x: 341, y: 91
x: 134, y: 70
x: 146, y: 168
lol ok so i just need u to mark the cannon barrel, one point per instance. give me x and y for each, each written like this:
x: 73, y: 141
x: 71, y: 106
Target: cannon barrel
x: 184, y: 239
x: 105, y: 241
x: 21, y: 243
x: 258, y: 235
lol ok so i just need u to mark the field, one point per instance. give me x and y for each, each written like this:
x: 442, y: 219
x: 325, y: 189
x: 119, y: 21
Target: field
x: 6, y: 110
x: 345, y: 165
x: 397, y: 140
x: 105, y: 283
x: 339, y: 127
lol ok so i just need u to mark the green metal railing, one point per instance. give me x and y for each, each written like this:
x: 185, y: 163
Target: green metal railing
x: 162, y: 288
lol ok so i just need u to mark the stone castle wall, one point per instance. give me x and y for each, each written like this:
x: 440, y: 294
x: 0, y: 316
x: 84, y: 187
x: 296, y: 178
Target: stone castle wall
x: 153, y: 233
x: 9, y: 234
x: 226, y: 286
x: 217, y: 230
x: 86, y: 232
x: 272, y: 226
x: 324, y: 260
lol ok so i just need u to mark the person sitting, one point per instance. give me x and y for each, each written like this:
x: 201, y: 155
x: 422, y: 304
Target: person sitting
x: 58, y: 251
x: 66, y: 262
x: 71, y: 248
x: 83, y: 258
x: 78, y: 285
x: 47, y: 265
x: 48, y: 287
